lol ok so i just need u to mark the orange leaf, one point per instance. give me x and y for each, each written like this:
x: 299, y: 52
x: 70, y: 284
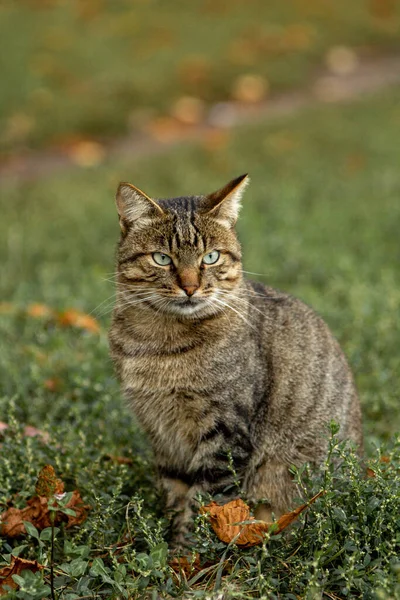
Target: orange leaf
x: 121, y: 460
x: 166, y: 129
x: 223, y: 517
x: 47, y: 484
x: 39, y: 310
x: 16, y: 566
x: 75, y: 318
x: 37, y: 512
x: 53, y: 384
x: 183, y: 564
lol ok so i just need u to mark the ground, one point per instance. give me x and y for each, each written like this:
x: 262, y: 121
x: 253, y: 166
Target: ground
x: 316, y: 222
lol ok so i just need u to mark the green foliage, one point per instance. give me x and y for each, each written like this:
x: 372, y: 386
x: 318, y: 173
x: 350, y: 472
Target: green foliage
x: 316, y: 226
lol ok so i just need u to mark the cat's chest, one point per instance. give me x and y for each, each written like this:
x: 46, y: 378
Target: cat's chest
x: 176, y: 421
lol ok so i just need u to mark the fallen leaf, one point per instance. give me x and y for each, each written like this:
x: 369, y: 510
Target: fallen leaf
x: 75, y: 318
x: 37, y: 512
x: 165, y: 129
x: 16, y: 567
x: 189, y: 566
x: 53, y: 384
x: 385, y: 460
x: 121, y: 460
x: 222, y: 520
x: 39, y: 310
x: 188, y: 110
x: 87, y: 153
x: 47, y: 484
x: 250, y: 88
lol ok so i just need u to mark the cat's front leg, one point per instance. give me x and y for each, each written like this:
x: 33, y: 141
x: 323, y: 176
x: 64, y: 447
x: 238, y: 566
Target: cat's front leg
x: 180, y: 505
x: 270, y: 480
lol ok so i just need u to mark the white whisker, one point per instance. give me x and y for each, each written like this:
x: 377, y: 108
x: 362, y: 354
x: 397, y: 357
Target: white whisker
x: 234, y: 310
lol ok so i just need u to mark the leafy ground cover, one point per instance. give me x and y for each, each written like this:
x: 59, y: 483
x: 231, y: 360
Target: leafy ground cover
x: 99, y: 68
x: 320, y: 220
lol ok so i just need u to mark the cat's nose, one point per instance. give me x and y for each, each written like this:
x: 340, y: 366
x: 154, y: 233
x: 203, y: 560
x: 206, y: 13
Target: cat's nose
x: 190, y: 289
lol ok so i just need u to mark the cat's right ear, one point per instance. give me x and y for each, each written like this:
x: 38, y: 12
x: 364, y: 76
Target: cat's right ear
x: 133, y: 205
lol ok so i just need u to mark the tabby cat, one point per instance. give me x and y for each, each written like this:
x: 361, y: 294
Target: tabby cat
x: 220, y: 371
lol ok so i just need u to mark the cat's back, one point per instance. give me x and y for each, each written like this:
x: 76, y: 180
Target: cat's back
x: 309, y: 376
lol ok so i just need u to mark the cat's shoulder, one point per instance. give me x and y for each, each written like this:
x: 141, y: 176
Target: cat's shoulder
x: 281, y: 305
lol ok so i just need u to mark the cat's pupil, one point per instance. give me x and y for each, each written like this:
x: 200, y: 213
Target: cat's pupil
x: 211, y: 257
x: 161, y: 259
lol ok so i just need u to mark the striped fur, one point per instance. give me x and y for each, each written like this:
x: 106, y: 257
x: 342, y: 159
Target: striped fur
x: 235, y: 372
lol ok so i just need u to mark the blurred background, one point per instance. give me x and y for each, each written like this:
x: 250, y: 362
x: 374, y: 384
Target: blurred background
x: 76, y: 71
x: 179, y: 97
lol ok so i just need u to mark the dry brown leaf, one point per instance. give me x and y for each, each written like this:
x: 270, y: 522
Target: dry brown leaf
x: 188, y: 566
x: 53, y: 384
x: 39, y: 311
x: 385, y: 460
x: 16, y: 566
x: 47, y: 484
x: 37, y: 512
x: 165, y: 129
x: 251, y: 534
x: 121, y: 460
x: 87, y: 153
x: 75, y: 318
x: 250, y: 88
x: 188, y: 110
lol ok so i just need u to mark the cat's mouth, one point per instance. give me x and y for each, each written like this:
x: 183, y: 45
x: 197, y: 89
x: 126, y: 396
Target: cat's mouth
x: 188, y: 305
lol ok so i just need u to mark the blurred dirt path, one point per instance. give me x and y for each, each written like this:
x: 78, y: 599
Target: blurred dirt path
x: 368, y: 77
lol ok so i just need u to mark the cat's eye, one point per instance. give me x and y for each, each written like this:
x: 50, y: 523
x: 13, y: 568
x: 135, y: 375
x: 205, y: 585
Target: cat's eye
x: 211, y: 257
x: 161, y: 259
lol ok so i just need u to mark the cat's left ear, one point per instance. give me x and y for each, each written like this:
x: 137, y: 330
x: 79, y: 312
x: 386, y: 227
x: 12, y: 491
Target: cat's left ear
x: 134, y: 206
x: 224, y: 204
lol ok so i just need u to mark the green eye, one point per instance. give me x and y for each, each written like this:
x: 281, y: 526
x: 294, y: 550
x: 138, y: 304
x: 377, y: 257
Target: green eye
x: 211, y: 257
x: 161, y: 259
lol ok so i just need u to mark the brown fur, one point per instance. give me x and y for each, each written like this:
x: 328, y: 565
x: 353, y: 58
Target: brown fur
x: 217, y: 366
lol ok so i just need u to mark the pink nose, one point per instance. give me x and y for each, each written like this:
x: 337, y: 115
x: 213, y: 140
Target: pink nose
x: 190, y: 289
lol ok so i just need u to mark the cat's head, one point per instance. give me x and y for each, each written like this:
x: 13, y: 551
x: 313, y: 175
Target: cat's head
x: 179, y: 256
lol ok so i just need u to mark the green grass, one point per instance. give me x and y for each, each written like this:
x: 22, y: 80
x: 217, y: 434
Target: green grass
x: 320, y: 220
x: 102, y: 68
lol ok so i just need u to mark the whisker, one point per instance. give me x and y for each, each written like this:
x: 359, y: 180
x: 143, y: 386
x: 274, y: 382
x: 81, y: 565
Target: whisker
x: 253, y: 273
x: 234, y: 310
x: 243, y: 301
